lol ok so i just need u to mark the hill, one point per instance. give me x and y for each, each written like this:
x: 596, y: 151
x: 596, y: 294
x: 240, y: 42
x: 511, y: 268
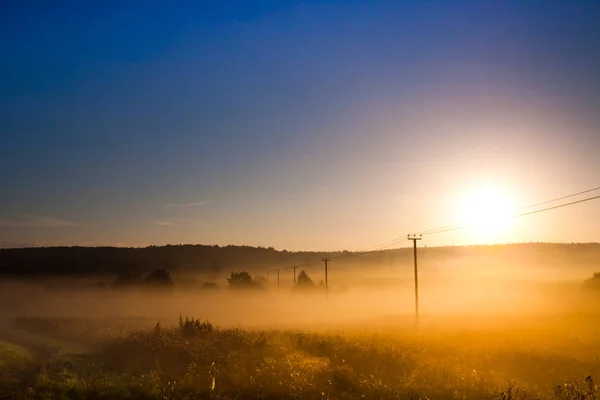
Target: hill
x: 219, y: 260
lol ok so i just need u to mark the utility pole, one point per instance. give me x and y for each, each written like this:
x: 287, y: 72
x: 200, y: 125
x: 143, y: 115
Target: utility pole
x: 277, y: 278
x: 326, y: 260
x: 268, y: 278
x: 294, y: 268
x: 414, y: 238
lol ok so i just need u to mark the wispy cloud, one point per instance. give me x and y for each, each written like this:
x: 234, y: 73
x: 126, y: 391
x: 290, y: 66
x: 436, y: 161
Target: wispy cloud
x: 36, y: 221
x: 187, y: 205
x: 163, y: 223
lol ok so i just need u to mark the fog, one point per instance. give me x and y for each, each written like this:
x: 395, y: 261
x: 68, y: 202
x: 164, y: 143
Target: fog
x: 455, y: 294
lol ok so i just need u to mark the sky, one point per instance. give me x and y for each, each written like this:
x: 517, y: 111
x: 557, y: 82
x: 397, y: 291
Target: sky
x: 302, y: 125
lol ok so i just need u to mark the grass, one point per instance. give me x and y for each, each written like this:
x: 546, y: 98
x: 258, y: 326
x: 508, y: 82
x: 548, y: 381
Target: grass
x: 192, y: 359
x: 15, y: 360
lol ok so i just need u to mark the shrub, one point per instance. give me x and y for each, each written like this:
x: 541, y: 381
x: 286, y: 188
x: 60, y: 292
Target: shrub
x: 192, y: 327
x: 159, y: 278
x: 592, y: 283
x: 304, y: 281
x: 242, y: 280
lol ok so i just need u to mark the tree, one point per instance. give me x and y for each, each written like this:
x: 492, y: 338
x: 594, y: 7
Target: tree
x: 593, y: 283
x: 242, y: 280
x: 159, y: 278
x: 304, y: 281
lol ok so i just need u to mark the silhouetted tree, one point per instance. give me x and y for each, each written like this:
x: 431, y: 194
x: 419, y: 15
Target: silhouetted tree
x: 158, y: 278
x: 593, y: 283
x: 241, y: 280
x: 304, y: 281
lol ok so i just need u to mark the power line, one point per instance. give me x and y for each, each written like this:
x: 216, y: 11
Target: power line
x: 450, y: 228
x: 560, y: 198
x: 360, y: 253
x: 521, y: 214
x: 558, y: 206
x: 377, y: 247
x: 453, y: 227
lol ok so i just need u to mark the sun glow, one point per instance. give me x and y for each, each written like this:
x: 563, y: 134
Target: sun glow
x: 487, y: 211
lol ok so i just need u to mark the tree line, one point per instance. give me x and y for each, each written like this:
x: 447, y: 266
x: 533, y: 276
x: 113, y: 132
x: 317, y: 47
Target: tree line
x: 208, y: 260
x: 216, y: 261
x: 237, y: 280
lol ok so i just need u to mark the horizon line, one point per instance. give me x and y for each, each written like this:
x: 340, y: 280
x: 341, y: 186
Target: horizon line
x: 294, y: 251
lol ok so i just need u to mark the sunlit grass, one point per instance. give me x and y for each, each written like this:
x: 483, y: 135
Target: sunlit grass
x: 193, y: 359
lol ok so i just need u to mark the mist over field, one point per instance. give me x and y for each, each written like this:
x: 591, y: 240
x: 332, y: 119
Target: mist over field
x: 471, y: 282
x: 511, y: 321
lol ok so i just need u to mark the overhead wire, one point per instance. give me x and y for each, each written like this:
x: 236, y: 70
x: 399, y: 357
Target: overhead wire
x: 455, y: 227
x: 449, y: 228
x: 520, y: 215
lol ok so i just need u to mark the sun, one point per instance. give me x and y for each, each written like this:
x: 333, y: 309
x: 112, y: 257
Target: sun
x: 487, y: 210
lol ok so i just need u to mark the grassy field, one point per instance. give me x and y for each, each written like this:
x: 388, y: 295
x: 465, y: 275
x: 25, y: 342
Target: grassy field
x: 136, y: 358
x: 478, y: 339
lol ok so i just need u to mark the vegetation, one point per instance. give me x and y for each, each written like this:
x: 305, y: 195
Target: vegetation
x: 188, y: 358
x: 191, y: 327
x: 194, y: 360
x: 304, y: 281
x: 593, y: 283
x: 159, y: 278
x: 242, y: 280
x: 213, y: 260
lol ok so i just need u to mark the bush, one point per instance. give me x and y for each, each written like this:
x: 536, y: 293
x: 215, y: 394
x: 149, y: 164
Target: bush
x: 242, y: 280
x: 304, y: 281
x: 192, y: 327
x: 592, y: 283
x: 159, y: 278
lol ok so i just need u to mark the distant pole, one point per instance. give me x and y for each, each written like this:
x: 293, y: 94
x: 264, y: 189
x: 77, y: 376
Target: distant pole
x: 268, y: 278
x: 326, y: 260
x: 414, y: 238
x: 294, y: 268
x: 277, y: 278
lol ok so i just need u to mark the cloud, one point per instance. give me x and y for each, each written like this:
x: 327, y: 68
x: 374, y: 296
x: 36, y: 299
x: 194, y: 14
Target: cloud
x: 36, y: 221
x: 163, y: 223
x: 187, y: 205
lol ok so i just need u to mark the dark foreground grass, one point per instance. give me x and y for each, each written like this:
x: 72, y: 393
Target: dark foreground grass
x: 193, y: 360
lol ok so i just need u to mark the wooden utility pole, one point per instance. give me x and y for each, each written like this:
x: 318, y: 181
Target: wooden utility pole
x: 414, y: 238
x: 326, y: 260
x: 294, y: 268
x: 277, y: 278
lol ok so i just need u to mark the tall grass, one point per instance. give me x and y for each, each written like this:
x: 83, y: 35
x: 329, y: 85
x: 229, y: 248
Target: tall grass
x: 194, y: 360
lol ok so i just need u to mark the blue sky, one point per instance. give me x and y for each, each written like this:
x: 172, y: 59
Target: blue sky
x: 299, y: 125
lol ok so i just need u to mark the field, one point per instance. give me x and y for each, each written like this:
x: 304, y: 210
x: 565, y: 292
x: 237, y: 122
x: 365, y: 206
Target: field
x: 486, y: 339
x: 77, y: 358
